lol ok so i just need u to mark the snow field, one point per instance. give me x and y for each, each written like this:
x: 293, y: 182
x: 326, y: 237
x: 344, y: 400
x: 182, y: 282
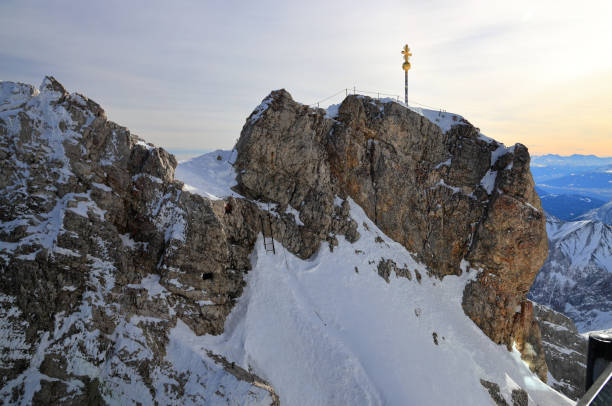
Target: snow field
x: 330, y: 330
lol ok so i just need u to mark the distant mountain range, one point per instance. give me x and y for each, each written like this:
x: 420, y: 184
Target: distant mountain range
x: 574, y: 160
x: 551, y: 166
x: 568, y: 207
x: 585, y: 175
x: 576, y: 278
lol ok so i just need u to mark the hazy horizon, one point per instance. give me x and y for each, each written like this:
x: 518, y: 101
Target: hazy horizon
x: 185, y: 75
x: 186, y: 153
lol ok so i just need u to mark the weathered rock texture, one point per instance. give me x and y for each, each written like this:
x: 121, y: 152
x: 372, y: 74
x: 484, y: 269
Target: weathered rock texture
x: 107, y: 265
x: 447, y: 197
x: 565, y: 350
x: 519, y: 396
x: 104, y: 259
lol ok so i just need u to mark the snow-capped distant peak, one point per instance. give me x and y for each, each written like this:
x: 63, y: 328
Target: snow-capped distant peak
x: 603, y: 214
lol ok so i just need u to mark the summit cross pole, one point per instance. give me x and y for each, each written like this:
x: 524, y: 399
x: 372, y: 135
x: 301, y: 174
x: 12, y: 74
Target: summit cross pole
x: 406, y: 67
x: 406, y: 87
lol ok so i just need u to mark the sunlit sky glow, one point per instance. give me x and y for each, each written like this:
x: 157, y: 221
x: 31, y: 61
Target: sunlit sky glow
x: 186, y: 74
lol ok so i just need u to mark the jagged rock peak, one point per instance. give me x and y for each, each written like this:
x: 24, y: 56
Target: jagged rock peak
x: 50, y: 84
x: 107, y: 267
x: 452, y: 197
x: 116, y: 282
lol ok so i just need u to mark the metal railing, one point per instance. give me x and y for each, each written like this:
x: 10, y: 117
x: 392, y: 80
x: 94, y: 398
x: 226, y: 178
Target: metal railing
x: 378, y: 94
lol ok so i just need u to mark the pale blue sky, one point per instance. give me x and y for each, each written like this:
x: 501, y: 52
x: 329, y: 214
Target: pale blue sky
x: 186, y: 74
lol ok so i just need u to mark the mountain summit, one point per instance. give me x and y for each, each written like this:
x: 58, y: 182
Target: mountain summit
x: 453, y: 198
x: 402, y: 255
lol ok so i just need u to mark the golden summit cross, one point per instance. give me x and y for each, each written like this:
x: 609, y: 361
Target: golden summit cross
x: 406, y: 52
x: 406, y: 67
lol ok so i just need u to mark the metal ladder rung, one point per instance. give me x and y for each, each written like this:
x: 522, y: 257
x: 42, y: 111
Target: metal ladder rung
x: 268, y: 241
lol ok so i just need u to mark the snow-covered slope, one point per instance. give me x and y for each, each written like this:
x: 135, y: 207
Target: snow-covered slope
x: 441, y: 118
x: 603, y: 214
x: 119, y: 286
x: 210, y: 175
x: 584, y: 242
x: 92, y: 230
x: 331, y: 330
x: 576, y: 279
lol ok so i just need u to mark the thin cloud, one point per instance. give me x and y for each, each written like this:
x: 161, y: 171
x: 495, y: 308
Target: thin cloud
x: 202, y: 67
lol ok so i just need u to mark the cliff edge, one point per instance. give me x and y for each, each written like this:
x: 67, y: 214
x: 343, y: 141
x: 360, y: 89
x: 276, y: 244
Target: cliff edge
x: 126, y: 277
x: 456, y: 199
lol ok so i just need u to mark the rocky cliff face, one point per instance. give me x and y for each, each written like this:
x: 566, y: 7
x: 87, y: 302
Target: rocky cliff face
x: 576, y: 278
x: 448, y: 196
x: 104, y: 258
x: 565, y: 350
x: 111, y: 270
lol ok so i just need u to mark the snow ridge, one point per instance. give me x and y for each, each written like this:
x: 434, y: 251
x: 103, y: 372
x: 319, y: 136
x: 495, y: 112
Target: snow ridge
x: 603, y: 214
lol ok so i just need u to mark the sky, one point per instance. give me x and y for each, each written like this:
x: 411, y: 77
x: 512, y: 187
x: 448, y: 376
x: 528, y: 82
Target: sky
x: 186, y: 74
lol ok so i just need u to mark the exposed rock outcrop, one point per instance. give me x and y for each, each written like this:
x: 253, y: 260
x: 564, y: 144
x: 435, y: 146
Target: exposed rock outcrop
x: 519, y: 396
x: 565, y: 350
x: 109, y: 267
x: 447, y: 197
x: 104, y: 259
